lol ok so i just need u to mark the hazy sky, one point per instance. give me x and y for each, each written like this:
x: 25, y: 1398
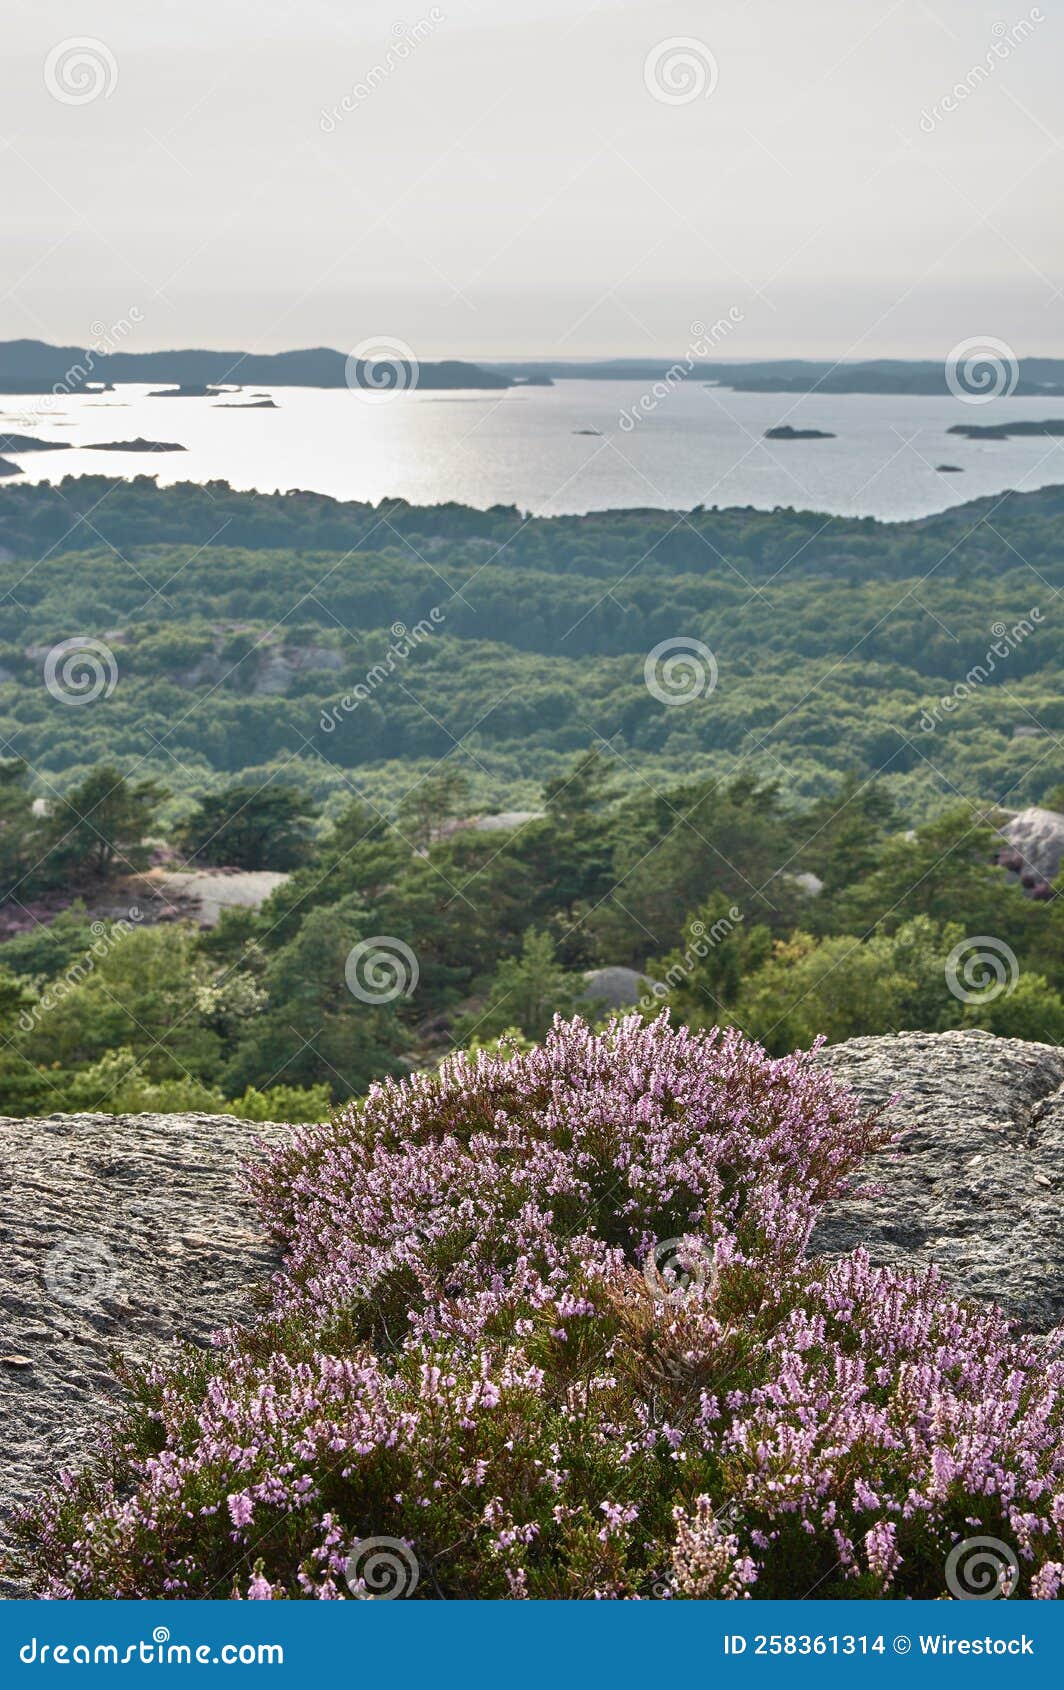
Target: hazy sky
x: 515, y: 183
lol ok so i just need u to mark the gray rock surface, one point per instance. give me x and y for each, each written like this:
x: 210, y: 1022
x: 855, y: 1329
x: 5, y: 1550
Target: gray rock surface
x: 504, y: 822
x: 977, y: 1183
x: 501, y: 821
x: 616, y: 987
x: 204, y: 894
x: 1038, y: 835
x: 117, y: 1232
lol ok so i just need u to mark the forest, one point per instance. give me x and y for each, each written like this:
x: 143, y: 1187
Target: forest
x: 521, y: 640
x: 196, y: 677
x: 395, y: 939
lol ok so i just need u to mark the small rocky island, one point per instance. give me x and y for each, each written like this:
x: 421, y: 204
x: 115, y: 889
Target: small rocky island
x: 8, y: 468
x: 1052, y: 426
x: 189, y: 390
x: 786, y: 432
x: 138, y: 445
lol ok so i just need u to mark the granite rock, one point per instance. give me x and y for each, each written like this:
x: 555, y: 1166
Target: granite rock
x: 117, y: 1233
x: 1037, y: 835
x: 977, y: 1181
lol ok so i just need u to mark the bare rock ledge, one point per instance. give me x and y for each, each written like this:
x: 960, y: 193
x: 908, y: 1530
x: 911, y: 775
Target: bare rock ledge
x: 116, y: 1232
x: 128, y: 1231
x: 976, y: 1185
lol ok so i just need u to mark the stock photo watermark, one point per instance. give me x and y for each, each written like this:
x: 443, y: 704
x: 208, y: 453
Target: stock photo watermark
x: 705, y: 339
x: 381, y: 367
x: 381, y: 1569
x: 1006, y: 640
x: 982, y: 368
x: 77, y: 377
x: 381, y: 969
x: 80, y: 1272
x: 80, y: 70
x: 982, y: 1569
x: 80, y: 670
x: 677, y: 1266
x: 679, y: 670
x: 701, y: 940
x: 1007, y: 37
x: 404, y: 641
x: 982, y: 968
x: 679, y: 70
x: 106, y: 936
x: 159, y: 1651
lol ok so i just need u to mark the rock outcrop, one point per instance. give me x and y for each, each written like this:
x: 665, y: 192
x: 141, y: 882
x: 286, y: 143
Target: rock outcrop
x: 615, y: 987
x: 116, y: 1232
x: 1036, y: 837
x: 204, y: 894
x: 977, y: 1182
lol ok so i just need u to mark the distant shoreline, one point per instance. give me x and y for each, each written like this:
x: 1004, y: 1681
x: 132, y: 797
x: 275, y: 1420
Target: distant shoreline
x: 34, y: 367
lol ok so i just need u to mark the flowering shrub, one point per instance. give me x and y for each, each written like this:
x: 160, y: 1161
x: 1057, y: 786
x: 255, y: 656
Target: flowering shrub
x: 546, y: 1322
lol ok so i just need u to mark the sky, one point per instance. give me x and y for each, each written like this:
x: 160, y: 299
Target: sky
x: 532, y: 178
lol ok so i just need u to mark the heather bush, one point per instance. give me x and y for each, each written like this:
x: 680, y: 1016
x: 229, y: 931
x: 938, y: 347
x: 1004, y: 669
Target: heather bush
x: 547, y: 1319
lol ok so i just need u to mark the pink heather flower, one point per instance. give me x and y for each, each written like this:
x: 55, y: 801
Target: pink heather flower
x: 241, y: 1509
x: 881, y: 1551
x: 616, y: 1519
x: 1048, y: 1581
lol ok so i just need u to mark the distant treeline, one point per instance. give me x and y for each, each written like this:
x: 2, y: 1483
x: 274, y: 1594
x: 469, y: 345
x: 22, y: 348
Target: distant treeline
x: 83, y: 513
x: 235, y: 646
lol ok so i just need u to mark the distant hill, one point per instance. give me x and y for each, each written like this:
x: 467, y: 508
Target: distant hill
x: 32, y: 366
x: 1038, y: 377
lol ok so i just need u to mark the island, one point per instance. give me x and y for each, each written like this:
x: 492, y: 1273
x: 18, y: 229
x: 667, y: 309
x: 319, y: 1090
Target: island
x: 786, y: 432
x: 189, y: 390
x: 1035, y: 378
x: 949, y: 469
x: 1052, y: 426
x: 137, y: 445
x: 7, y: 468
x: 247, y: 405
x: 32, y: 443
